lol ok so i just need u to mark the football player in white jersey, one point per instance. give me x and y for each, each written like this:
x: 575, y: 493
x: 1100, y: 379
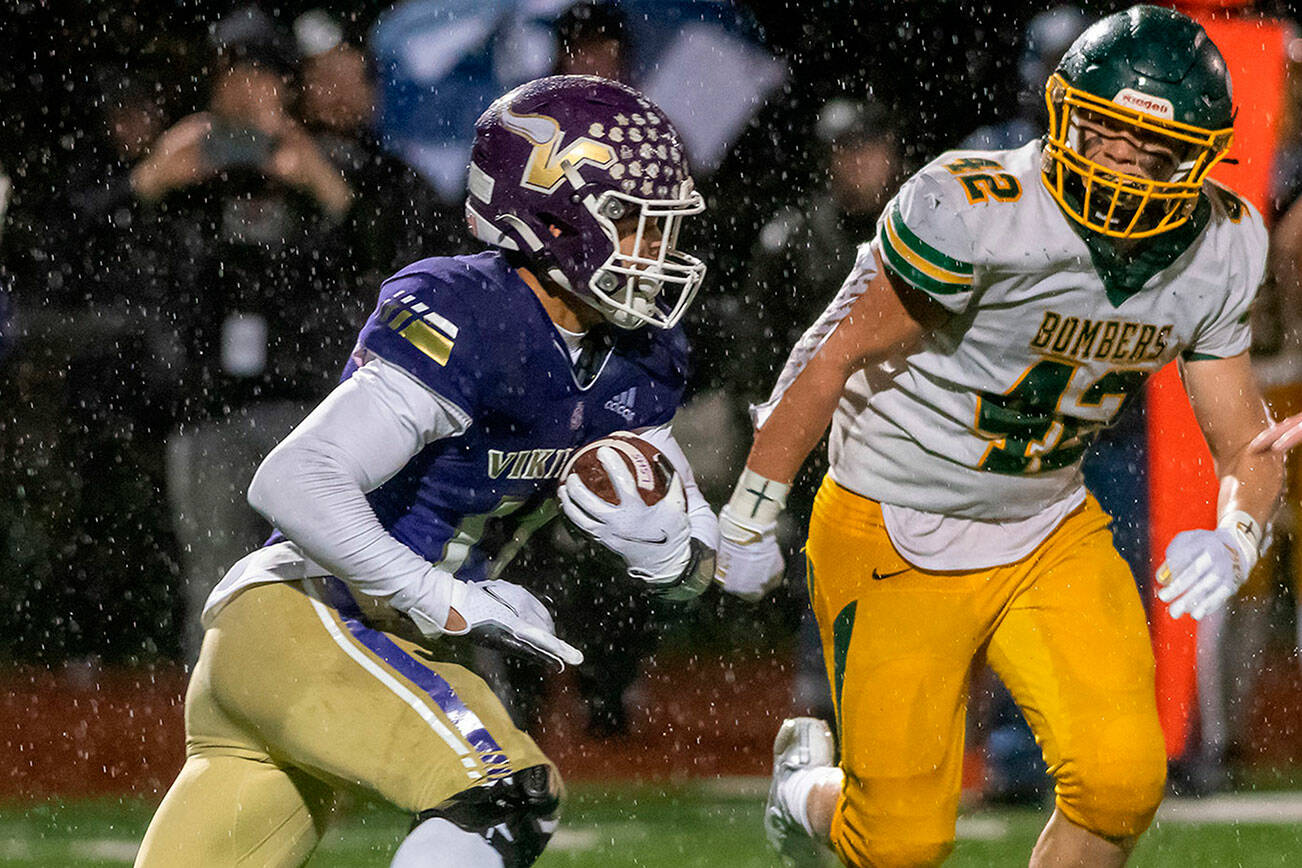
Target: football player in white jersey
x: 1010, y: 306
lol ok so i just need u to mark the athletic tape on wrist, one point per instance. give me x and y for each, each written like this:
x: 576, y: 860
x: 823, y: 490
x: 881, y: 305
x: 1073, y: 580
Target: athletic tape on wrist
x: 757, y: 500
x: 1246, y: 532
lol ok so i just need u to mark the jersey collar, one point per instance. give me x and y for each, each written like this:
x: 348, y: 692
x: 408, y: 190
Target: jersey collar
x: 1125, y: 271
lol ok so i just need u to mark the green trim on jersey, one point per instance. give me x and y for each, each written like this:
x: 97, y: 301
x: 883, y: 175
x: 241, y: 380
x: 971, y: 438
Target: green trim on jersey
x: 1125, y: 271
x: 918, y: 262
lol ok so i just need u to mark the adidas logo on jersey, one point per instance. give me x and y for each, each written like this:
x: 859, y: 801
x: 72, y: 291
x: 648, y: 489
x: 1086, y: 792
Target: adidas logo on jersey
x: 623, y: 403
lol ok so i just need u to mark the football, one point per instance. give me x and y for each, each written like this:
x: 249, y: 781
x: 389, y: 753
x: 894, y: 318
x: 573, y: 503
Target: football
x: 649, y: 467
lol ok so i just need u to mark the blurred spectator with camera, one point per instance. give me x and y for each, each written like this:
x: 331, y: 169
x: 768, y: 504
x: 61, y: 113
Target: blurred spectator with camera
x: 395, y: 217
x: 249, y: 211
x: 248, y: 129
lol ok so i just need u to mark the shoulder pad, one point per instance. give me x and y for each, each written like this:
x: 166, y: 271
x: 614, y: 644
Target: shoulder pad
x: 1240, y: 255
x: 1238, y: 214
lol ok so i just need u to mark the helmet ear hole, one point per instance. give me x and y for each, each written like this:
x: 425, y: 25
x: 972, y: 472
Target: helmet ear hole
x: 558, y: 226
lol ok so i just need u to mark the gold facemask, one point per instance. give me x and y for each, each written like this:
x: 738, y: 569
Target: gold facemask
x: 1114, y: 203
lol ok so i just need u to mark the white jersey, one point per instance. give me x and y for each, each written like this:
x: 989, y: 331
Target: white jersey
x: 990, y: 418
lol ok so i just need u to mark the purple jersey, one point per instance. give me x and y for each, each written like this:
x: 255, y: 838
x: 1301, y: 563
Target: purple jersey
x: 472, y: 331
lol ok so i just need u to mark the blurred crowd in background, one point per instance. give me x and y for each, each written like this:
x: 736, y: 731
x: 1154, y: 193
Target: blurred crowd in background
x: 201, y: 201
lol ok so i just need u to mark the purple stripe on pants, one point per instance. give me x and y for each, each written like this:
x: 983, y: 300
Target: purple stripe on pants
x: 465, y: 720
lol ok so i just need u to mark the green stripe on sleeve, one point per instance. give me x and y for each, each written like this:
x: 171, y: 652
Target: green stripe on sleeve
x: 924, y: 282
x: 925, y: 250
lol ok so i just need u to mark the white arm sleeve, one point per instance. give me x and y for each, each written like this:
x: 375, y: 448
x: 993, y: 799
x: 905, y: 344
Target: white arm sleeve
x: 705, y: 524
x: 313, y: 485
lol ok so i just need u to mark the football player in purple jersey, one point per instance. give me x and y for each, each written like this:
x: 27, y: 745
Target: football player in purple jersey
x: 401, y: 498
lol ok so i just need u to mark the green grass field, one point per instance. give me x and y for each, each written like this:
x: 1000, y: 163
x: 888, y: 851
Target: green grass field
x: 716, y: 825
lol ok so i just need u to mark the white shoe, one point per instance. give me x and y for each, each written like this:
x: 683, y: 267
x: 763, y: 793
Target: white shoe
x: 802, y: 743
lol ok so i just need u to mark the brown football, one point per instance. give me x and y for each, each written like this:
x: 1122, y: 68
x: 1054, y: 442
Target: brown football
x: 650, y: 468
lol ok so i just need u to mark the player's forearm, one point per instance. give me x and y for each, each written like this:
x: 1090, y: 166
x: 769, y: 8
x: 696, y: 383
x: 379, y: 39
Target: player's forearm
x: 313, y: 485
x: 308, y: 494
x: 871, y: 319
x: 798, y: 421
x: 749, y: 562
x: 1232, y: 415
x: 1251, y: 482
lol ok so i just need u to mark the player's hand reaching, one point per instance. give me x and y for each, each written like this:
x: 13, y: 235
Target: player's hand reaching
x: 1204, y: 568
x: 654, y: 541
x: 502, y: 615
x: 1280, y: 437
x: 749, y: 562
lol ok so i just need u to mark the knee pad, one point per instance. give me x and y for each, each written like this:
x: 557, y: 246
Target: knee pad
x: 1116, y: 798
x: 897, y: 853
x: 860, y: 847
x: 515, y: 814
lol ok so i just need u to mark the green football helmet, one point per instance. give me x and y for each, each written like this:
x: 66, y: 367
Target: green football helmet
x: 1152, y: 76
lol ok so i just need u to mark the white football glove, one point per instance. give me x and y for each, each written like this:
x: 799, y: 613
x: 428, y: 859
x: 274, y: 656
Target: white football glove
x: 1204, y: 568
x: 505, y: 616
x: 749, y: 563
x: 655, y: 542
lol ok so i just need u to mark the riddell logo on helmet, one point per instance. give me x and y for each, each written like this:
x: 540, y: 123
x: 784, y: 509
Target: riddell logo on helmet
x: 1153, y: 105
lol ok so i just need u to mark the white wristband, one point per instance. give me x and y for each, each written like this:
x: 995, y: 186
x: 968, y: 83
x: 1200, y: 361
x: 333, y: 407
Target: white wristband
x: 757, y: 500
x: 1246, y: 532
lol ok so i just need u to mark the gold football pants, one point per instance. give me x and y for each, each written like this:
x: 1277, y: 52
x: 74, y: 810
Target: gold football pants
x: 297, y: 695
x: 1063, y: 627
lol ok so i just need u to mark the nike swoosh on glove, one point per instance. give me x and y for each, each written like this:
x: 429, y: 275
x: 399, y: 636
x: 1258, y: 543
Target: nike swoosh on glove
x: 503, y: 615
x: 655, y: 541
x: 749, y: 562
x: 1203, y: 569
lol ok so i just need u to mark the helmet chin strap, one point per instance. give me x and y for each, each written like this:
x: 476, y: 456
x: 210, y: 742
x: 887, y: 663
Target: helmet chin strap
x: 556, y: 276
x: 623, y: 319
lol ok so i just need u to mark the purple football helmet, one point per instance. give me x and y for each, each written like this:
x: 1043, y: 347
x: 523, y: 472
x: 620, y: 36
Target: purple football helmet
x: 557, y: 162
